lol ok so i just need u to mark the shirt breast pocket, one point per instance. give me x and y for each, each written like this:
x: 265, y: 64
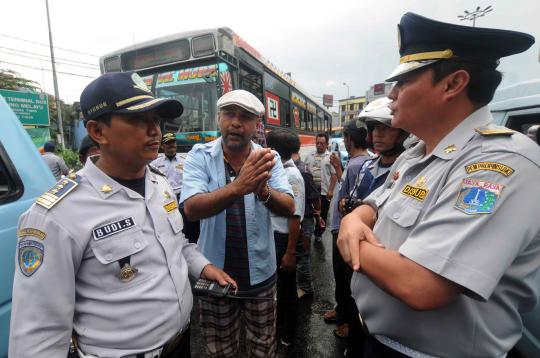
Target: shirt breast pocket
x: 110, y: 251
x: 403, y: 214
x: 175, y: 220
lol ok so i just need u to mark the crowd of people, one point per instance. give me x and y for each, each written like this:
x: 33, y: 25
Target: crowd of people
x: 424, y: 260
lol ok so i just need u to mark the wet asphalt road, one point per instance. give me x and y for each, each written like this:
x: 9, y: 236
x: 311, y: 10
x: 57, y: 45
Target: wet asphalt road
x: 314, y: 338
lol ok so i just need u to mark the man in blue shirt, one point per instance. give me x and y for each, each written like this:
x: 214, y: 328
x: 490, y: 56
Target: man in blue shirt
x: 231, y: 185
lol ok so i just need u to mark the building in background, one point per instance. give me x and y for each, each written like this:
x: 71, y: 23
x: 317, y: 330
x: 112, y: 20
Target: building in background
x: 377, y: 91
x: 350, y: 108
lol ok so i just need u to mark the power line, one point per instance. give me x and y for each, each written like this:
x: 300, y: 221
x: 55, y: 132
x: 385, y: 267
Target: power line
x: 49, y: 57
x: 41, y: 59
x: 42, y: 44
x: 46, y: 69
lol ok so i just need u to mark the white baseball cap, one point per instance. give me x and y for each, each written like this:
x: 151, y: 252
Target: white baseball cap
x: 243, y: 99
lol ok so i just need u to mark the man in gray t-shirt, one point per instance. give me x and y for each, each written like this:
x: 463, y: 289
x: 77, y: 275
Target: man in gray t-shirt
x: 56, y: 163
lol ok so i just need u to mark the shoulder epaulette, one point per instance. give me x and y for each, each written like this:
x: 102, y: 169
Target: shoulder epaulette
x: 493, y: 130
x: 59, y: 191
x: 155, y: 170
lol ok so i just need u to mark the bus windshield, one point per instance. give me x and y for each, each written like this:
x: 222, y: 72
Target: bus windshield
x: 196, y: 89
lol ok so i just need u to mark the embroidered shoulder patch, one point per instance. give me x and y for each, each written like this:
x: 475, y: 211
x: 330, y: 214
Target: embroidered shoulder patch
x: 494, y: 130
x: 492, y: 166
x: 107, y: 230
x: 30, y: 231
x: 62, y: 188
x: 477, y: 196
x: 31, y: 254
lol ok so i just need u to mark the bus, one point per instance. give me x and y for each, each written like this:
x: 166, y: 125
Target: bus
x: 198, y: 67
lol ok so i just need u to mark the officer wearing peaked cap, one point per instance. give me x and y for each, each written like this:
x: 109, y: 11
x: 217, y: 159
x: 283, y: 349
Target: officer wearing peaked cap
x: 440, y: 272
x: 101, y: 257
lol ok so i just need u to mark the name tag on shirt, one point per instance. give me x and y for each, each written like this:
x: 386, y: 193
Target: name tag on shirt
x: 104, y: 231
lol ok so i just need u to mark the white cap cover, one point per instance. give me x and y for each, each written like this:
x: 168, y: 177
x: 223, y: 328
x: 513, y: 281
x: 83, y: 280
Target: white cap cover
x: 243, y: 99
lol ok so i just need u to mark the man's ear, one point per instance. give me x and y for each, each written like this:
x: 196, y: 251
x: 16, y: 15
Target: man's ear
x: 455, y: 84
x: 95, y: 130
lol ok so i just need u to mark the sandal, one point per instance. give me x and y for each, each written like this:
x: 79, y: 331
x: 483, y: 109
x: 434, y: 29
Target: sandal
x: 331, y: 316
x: 342, y: 331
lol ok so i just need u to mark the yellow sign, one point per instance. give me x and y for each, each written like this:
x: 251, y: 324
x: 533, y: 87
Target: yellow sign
x: 415, y: 192
x: 492, y: 166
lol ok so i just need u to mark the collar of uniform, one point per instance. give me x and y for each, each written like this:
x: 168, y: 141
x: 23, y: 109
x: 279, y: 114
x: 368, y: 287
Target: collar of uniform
x: 462, y: 133
x: 457, y: 138
x: 97, y: 179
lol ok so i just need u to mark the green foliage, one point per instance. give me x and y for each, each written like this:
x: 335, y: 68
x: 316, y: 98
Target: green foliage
x: 12, y: 80
x: 71, y: 158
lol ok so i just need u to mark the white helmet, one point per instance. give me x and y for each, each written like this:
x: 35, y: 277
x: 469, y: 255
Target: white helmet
x: 377, y: 111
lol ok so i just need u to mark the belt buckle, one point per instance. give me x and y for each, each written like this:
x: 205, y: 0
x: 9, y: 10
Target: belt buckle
x: 156, y: 353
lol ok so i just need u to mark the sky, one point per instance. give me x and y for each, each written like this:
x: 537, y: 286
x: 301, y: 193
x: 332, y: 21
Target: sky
x: 323, y: 44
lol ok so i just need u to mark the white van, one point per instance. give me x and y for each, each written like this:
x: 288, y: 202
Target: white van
x: 518, y: 107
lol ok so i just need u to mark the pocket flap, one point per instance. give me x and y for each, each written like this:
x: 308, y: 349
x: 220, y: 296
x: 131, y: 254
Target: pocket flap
x: 403, y: 215
x: 118, y: 246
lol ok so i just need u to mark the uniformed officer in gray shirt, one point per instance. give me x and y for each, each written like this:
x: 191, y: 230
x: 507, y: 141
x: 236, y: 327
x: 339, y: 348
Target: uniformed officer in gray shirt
x: 171, y: 163
x: 457, y: 220
x: 101, y: 255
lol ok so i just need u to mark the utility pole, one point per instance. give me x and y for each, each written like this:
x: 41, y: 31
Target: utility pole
x: 345, y: 84
x: 473, y: 15
x: 58, y: 105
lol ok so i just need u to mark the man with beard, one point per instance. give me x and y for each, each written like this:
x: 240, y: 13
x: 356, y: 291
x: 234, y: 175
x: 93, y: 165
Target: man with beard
x: 231, y: 184
x: 172, y: 165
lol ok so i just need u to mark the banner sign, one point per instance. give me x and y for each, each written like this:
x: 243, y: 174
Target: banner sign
x: 328, y: 100
x: 31, y: 108
x: 272, y: 109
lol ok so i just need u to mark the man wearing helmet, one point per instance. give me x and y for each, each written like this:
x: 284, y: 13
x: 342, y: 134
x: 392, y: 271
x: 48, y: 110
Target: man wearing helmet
x: 386, y: 141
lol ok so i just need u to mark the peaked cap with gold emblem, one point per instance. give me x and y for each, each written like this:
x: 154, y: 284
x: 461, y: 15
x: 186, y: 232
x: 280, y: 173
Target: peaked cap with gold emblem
x: 423, y: 41
x: 125, y: 93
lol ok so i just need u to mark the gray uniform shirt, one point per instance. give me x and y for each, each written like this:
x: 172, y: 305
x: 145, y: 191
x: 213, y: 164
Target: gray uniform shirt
x: 173, y: 170
x: 56, y: 164
x: 68, y: 274
x: 468, y: 212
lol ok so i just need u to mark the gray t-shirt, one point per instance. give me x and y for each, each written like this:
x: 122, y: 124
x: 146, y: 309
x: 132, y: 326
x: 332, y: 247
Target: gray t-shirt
x: 56, y: 164
x: 468, y: 212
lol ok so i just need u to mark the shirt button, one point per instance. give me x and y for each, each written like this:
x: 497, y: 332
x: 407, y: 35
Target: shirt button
x: 108, y: 257
x: 396, y: 216
x: 137, y: 245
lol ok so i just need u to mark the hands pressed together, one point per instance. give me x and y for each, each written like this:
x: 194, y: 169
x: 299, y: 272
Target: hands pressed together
x: 255, y: 173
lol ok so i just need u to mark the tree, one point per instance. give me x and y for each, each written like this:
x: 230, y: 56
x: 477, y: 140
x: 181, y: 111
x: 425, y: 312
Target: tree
x: 12, y: 80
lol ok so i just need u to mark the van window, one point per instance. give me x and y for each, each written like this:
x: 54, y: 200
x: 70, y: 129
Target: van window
x: 522, y: 122
x: 11, y: 187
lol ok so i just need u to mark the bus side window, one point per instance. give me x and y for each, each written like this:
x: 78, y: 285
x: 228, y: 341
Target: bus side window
x: 285, y: 113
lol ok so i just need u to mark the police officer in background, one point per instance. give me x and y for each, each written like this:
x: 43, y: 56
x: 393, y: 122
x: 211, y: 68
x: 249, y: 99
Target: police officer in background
x: 101, y: 255
x: 172, y: 165
x: 450, y: 275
